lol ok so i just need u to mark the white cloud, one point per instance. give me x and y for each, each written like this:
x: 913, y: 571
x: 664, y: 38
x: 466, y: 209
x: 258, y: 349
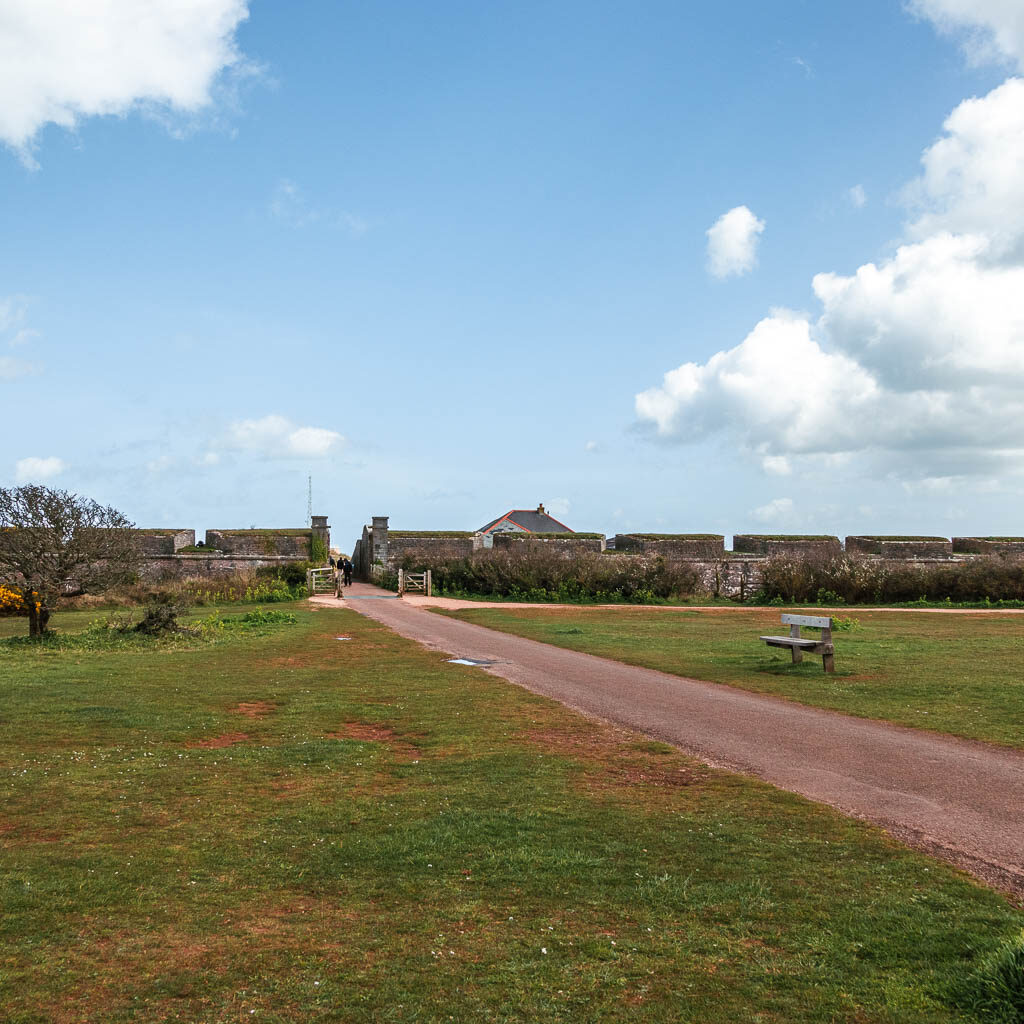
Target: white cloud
x: 33, y: 469
x: 777, y: 464
x: 972, y: 181
x: 804, y: 66
x: 732, y: 242
x: 777, y: 510
x: 13, y: 310
x: 23, y: 337
x: 591, y: 447
x: 161, y: 464
x: 63, y: 60
x: 935, y: 316
x: 989, y: 29
x: 915, y: 364
x: 559, y: 507
x: 278, y: 437
x: 753, y: 389
x: 11, y: 368
x: 14, y: 334
x: 857, y: 196
x: 289, y: 205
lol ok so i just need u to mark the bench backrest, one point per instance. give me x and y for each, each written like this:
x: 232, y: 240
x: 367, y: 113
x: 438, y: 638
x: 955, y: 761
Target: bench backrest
x: 815, y: 621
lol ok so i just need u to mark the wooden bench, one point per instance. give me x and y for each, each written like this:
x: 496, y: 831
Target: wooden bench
x: 798, y: 644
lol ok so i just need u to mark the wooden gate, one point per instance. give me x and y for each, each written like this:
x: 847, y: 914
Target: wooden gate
x: 415, y: 583
x: 320, y: 581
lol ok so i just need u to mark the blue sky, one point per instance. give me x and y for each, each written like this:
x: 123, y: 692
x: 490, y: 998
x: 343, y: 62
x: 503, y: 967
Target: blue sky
x: 432, y: 254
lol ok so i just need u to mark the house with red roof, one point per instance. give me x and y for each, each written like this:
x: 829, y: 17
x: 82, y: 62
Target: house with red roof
x: 522, y: 520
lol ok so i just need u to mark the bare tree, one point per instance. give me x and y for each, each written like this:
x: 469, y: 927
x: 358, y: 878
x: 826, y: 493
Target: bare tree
x: 53, y: 540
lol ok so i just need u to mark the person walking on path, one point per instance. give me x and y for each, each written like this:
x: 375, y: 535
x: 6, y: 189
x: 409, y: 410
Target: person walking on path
x: 346, y: 567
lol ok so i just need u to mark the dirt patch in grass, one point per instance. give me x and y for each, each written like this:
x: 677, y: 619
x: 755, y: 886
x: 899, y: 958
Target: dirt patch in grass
x: 293, y: 661
x: 368, y: 731
x: 292, y: 788
x: 228, y: 739
x: 254, y: 709
x: 613, y: 758
x: 15, y: 835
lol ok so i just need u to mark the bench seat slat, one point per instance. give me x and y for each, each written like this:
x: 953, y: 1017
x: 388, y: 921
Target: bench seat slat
x: 790, y: 641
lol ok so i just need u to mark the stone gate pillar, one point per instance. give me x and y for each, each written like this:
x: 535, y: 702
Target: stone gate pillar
x: 321, y: 531
x: 380, y: 540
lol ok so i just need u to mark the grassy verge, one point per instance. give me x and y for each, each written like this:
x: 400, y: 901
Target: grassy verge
x: 291, y: 827
x: 949, y: 673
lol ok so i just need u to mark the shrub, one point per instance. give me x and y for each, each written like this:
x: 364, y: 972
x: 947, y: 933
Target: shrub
x: 317, y: 550
x: 161, y: 615
x: 850, y: 580
x: 293, y: 574
x: 537, y: 573
x: 11, y: 603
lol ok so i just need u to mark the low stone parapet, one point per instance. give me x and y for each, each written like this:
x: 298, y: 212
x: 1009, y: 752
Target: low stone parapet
x: 673, y: 545
x: 897, y: 548
x: 820, y: 546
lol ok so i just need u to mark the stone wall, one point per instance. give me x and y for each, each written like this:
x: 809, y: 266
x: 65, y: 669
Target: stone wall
x: 404, y: 548
x: 190, y: 566
x: 568, y: 542
x: 164, y: 542
x: 673, y: 546
x: 993, y: 547
x: 781, y: 544
x: 895, y: 548
x: 293, y: 544
x: 229, y: 551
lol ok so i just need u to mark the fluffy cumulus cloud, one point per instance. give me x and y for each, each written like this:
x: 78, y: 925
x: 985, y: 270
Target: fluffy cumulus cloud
x: 278, y: 437
x: 732, y: 242
x: 33, y: 469
x: 62, y: 60
x: 971, y: 180
x: 990, y: 29
x: 915, y: 363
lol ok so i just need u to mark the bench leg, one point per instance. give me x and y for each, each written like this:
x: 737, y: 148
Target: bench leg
x: 828, y: 661
x: 798, y: 655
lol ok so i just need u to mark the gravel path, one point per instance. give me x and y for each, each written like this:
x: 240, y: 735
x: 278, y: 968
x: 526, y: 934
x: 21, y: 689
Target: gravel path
x: 960, y: 800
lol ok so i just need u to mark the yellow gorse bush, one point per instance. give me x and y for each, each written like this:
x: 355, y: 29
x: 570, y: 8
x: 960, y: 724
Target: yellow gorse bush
x: 12, y: 603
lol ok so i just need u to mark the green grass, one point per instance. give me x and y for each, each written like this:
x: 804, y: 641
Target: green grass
x: 550, y: 535
x: 958, y: 674
x: 393, y: 838
x: 301, y: 531
x: 430, y: 533
x: 788, y: 536
x: 884, y: 536
x: 673, y: 536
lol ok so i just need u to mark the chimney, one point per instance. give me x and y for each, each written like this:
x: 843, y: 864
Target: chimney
x: 540, y: 509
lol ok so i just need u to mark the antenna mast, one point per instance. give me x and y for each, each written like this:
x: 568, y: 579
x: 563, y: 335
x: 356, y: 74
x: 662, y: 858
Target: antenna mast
x: 309, y: 500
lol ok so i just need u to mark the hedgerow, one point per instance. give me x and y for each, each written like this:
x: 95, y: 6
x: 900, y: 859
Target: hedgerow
x: 540, y: 574
x: 849, y: 580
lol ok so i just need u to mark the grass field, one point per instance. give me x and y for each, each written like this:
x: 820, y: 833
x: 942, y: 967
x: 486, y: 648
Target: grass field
x: 958, y: 674
x: 285, y: 826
